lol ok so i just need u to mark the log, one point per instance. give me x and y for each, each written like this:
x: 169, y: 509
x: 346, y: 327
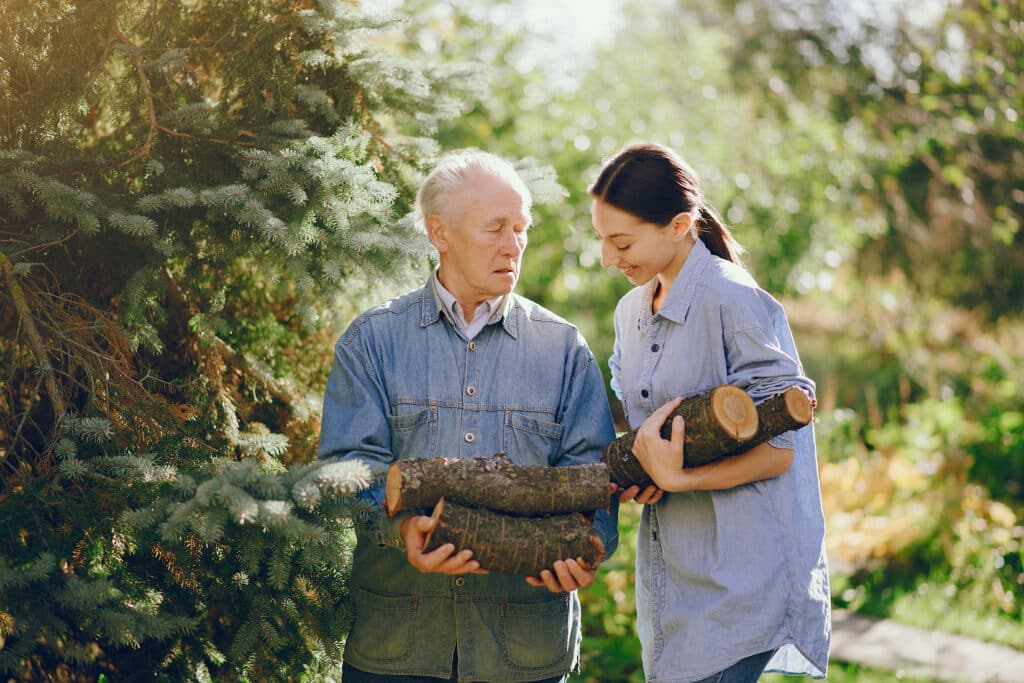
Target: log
x: 515, y: 545
x: 707, y: 437
x: 718, y: 422
x: 785, y: 411
x: 496, y: 483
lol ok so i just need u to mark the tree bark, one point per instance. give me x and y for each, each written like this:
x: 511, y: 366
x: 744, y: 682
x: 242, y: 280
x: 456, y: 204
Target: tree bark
x: 496, y: 483
x: 718, y: 424
x: 790, y: 409
x: 35, y: 340
x: 515, y: 545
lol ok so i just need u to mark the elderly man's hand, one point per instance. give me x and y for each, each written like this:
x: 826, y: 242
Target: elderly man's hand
x: 442, y: 560
x: 649, y: 496
x: 568, y: 575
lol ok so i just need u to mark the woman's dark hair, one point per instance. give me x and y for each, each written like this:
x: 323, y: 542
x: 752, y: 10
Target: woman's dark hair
x: 652, y: 183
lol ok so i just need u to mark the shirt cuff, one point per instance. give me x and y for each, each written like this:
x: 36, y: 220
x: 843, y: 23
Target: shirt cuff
x: 390, y: 534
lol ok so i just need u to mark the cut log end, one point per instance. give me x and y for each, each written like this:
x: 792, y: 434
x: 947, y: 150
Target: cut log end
x: 598, y: 554
x: 798, y: 405
x: 436, y: 517
x: 735, y: 411
x: 393, y: 490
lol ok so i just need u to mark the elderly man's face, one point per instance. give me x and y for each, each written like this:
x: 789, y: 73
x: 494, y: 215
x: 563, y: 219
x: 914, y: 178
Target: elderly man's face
x: 481, y: 238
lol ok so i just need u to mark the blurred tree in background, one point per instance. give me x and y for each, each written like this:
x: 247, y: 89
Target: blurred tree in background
x: 194, y: 196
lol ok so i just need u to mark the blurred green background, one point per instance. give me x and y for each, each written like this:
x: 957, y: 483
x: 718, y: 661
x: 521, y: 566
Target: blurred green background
x: 870, y: 157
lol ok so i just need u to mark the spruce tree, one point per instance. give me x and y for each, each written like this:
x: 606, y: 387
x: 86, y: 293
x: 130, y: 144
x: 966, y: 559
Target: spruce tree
x: 193, y: 195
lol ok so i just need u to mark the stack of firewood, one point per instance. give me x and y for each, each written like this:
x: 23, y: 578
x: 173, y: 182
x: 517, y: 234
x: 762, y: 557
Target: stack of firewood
x: 521, y: 519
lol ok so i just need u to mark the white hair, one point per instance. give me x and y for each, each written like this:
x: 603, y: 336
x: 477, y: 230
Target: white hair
x: 452, y: 171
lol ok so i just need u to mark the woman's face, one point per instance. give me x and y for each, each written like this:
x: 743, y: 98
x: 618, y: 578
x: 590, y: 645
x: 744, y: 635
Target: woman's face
x: 641, y: 250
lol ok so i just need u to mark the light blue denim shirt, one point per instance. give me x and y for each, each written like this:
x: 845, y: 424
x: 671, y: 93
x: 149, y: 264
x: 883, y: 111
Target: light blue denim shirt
x: 722, y: 575
x: 405, y: 384
x: 487, y: 313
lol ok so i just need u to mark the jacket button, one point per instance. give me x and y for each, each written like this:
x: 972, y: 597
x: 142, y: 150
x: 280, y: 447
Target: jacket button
x: 472, y: 345
x: 471, y: 391
x: 644, y: 393
x: 460, y: 582
x: 470, y: 437
x: 655, y: 347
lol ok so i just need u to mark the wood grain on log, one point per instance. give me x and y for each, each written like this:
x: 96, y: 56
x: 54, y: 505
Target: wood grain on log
x: 515, y: 545
x: 496, y: 483
x: 720, y: 423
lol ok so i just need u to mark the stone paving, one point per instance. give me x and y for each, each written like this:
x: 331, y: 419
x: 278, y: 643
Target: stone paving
x: 909, y: 651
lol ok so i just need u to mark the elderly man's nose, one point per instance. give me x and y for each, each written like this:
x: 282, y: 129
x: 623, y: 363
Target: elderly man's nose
x: 514, y: 243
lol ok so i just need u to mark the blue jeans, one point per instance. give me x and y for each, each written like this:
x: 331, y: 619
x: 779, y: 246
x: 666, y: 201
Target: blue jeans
x: 744, y: 671
x: 350, y: 674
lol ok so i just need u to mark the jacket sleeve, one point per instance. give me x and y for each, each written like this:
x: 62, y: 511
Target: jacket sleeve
x: 354, y: 426
x: 588, y: 429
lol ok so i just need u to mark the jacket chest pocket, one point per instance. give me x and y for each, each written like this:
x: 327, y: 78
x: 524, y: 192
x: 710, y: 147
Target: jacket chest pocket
x: 414, y: 435
x: 530, y: 440
x: 537, y: 635
x: 384, y: 625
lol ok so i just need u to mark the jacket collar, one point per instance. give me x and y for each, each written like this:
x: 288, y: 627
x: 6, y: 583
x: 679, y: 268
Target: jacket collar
x: 431, y: 307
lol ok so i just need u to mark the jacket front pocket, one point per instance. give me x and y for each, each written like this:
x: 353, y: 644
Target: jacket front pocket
x: 414, y: 435
x: 536, y: 635
x: 530, y: 440
x: 383, y: 625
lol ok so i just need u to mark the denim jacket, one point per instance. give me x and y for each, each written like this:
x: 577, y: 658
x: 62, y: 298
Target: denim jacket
x: 722, y: 575
x: 406, y: 384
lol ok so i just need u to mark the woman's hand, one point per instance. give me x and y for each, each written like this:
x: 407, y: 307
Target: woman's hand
x: 662, y: 460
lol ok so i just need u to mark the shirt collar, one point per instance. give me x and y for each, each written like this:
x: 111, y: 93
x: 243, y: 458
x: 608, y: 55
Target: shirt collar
x: 438, y: 299
x: 684, y: 287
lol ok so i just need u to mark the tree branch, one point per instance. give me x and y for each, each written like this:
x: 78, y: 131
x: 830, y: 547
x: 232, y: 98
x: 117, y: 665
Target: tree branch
x: 274, y: 387
x: 136, y: 58
x: 35, y: 341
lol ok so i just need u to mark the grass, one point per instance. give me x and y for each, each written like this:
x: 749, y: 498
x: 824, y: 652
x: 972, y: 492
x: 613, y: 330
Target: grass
x: 842, y: 672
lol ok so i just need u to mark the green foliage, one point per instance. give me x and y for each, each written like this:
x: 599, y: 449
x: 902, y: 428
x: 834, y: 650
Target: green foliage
x: 194, y: 197
x: 839, y: 672
x: 928, y: 104
x: 611, y: 647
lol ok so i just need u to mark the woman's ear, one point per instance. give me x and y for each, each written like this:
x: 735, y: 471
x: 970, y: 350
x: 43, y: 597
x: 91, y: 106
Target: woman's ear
x: 681, y: 224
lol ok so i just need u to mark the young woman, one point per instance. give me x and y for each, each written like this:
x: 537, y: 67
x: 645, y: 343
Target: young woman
x: 731, y: 570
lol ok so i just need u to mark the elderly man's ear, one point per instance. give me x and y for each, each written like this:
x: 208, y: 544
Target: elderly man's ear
x: 437, y: 232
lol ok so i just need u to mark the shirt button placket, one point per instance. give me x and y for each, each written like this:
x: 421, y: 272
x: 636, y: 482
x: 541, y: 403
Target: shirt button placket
x: 470, y: 417
x: 649, y: 365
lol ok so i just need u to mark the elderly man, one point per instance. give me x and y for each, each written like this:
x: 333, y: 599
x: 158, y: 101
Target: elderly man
x: 461, y: 368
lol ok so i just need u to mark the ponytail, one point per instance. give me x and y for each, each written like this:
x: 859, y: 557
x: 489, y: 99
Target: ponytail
x: 716, y: 236
x: 654, y: 184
